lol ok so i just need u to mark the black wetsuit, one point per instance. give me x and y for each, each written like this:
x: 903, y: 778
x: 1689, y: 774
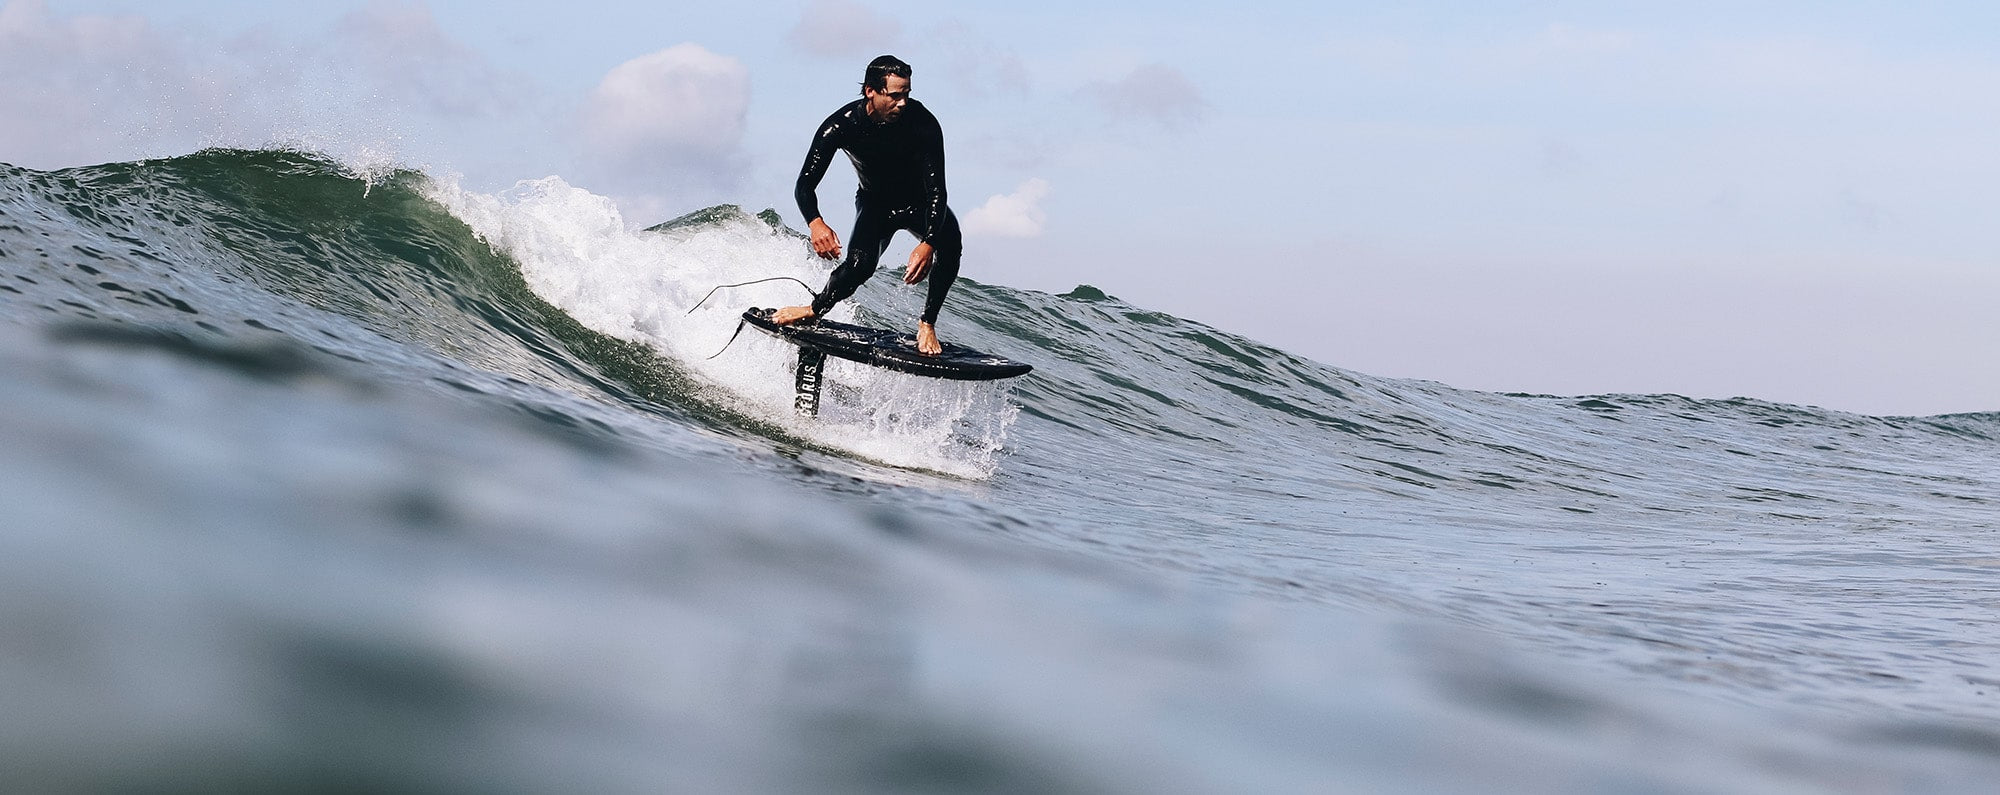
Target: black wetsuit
x: 900, y: 166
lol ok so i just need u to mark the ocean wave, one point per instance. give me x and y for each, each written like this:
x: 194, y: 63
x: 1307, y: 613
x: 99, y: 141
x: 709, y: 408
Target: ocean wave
x: 509, y: 410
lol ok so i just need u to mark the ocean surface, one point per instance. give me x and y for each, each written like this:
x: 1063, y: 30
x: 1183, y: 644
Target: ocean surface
x: 316, y: 477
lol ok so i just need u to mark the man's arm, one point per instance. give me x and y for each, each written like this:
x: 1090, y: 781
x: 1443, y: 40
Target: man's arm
x: 930, y: 162
x: 806, y: 191
x: 930, y: 171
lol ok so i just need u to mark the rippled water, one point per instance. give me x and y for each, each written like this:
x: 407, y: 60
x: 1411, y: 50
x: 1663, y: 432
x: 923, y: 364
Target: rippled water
x: 365, y: 481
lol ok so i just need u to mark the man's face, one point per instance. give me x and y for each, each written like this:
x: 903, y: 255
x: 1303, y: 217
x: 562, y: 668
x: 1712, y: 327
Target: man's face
x: 887, y: 105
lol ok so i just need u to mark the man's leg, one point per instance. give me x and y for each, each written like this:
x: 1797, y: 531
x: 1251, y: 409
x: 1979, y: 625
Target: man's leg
x: 864, y: 249
x: 947, y: 248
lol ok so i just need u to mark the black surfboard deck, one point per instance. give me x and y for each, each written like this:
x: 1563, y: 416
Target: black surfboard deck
x: 888, y: 349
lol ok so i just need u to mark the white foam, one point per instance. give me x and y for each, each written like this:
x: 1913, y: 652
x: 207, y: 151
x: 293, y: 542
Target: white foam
x: 578, y: 253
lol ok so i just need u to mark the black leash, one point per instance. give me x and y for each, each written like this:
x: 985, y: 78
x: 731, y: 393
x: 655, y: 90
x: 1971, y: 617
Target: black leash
x: 740, y: 323
x: 711, y: 293
x: 732, y: 339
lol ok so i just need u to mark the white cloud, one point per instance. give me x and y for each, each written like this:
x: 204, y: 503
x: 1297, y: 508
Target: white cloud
x: 89, y: 88
x: 400, y: 46
x: 670, y: 117
x: 384, y: 82
x: 1017, y: 214
x: 844, y: 29
x: 976, y: 66
x: 95, y: 88
x: 1156, y: 93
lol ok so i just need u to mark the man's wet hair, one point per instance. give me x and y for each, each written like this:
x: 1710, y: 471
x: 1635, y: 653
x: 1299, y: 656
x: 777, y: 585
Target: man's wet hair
x: 879, y: 70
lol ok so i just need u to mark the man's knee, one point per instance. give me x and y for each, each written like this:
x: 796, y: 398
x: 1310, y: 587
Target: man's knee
x: 948, y: 241
x: 947, y: 248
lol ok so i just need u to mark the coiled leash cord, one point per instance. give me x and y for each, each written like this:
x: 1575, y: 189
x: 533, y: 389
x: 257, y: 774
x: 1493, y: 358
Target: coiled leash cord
x: 740, y: 323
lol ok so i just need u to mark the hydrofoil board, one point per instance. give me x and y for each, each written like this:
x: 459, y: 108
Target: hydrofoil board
x: 888, y: 349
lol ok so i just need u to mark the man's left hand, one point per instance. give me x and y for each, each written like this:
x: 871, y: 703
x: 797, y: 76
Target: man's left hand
x: 920, y: 264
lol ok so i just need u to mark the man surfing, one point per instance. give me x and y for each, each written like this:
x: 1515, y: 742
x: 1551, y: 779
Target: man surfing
x: 897, y: 149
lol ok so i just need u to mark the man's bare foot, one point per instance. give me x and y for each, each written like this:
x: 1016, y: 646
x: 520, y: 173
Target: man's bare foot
x: 791, y: 314
x: 927, y: 341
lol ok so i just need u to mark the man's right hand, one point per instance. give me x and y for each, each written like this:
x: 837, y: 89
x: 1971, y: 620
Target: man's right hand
x: 825, y: 243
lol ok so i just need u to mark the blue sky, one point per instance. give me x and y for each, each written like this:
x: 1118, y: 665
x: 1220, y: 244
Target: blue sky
x: 1782, y: 200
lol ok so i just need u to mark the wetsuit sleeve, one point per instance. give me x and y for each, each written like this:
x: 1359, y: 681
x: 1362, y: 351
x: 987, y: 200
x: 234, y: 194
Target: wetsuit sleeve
x: 826, y: 141
x: 930, y: 161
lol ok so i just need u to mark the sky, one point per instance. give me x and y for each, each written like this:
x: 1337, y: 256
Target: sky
x: 1782, y: 200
